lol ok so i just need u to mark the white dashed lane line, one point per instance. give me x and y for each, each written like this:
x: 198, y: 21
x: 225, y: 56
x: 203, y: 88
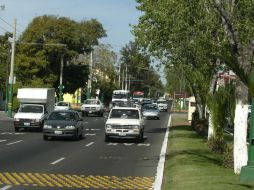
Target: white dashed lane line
x: 14, y: 142
x: 3, y: 140
x: 89, y: 144
x: 6, y: 187
x: 57, y: 161
x: 90, y: 134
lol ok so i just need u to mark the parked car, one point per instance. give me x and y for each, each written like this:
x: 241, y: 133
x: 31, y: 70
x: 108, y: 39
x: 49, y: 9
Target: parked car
x: 124, y: 122
x: 63, y: 106
x: 92, y: 106
x: 63, y: 123
x: 151, y: 111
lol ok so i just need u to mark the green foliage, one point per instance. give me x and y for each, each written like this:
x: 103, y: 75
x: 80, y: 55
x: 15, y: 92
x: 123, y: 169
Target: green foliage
x: 228, y: 156
x: 143, y: 75
x: 222, y: 105
x: 217, y: 144
x: 43, y: 44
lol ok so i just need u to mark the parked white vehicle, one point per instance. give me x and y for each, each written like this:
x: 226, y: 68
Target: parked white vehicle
x: 92, y: 106
x: 125, y: 122
x: 62, y: 105
x: 162, y: 104
x: 35, y: 104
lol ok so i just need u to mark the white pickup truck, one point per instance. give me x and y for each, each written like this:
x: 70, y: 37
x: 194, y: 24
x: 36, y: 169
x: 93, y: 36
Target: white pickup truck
x: 92, y: 106
x: 125, y: 122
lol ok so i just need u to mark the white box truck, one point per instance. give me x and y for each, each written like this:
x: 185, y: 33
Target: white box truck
x: 35, y: 104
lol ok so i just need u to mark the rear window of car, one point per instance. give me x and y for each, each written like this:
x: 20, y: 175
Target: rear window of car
x: 68, y: 116
x: 124, y: 114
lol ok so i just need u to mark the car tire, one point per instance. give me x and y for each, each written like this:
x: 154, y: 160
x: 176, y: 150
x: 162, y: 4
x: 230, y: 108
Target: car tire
x: 45, y: 137
x: 107, y: 139
x: 83, y: 114
x: 141, y: 137
x: 16, y: 129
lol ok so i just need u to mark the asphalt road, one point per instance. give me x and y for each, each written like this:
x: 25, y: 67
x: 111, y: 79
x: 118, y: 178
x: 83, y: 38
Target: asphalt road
x: 27, y: 162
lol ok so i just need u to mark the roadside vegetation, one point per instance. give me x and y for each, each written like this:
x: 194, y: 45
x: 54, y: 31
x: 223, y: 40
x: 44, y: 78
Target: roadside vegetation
x: 191, y: 165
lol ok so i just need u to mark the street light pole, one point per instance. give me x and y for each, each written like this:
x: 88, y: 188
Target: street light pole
x: 11, y: 78
x: 61, y: 87
x: 89, y: 83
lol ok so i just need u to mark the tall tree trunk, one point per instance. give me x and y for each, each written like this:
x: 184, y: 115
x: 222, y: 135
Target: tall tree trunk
x: 240, y: 127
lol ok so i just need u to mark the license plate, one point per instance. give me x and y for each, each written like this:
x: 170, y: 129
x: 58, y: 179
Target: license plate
x: 58, y: 132
x: 26, y: 124
x: 122, y: 134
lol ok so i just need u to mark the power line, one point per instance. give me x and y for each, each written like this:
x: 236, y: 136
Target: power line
x: 4, y: 29
x: 10, y: 25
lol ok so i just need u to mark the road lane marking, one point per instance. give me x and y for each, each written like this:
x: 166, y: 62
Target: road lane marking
x: 46, y: 181
x: 57, y: 161
x: 128, y: 144
x: 144, y: 144
x: 112, y: 144
x: 95, y: 119
x: 160, y: 167
x: 90, y: 144
x: 95, y: 129
x: 90, y: 134
x: 6, y: 133
x: 14, y: 142
x: 3, y: 140
x: 6, y: 187
x: 86, y: 122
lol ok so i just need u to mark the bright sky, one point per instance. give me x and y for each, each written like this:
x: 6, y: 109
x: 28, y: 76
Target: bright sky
x: 115, y: 15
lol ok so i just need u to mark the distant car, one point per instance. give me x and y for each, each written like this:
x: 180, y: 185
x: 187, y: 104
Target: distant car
x: 92, y: 106
x: 124, y: 122
x: 162, y: 104
x: 151, y: 111
x: 63, y: 123
x: 63, y: 106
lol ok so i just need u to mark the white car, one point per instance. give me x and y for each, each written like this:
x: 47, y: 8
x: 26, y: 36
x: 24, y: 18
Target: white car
x: 92, y: 106
x: 63, y: 105
x: 124, y: 122
x: 162, y: 104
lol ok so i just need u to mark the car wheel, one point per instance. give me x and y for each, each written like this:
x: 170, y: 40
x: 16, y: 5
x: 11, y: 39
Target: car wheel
x: 83, y: 114
x: 141, y: 137
x: 101, y: 114
x: 16, y: 129
x: 45, y: 137
x: 107, y: 139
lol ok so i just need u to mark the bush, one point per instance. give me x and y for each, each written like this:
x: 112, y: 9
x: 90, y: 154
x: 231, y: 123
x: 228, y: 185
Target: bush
x: 217, y: 145
x: 200, y: 126
x: 228, y: 157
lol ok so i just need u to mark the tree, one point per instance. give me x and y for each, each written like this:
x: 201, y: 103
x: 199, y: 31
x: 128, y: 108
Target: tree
x: 136, y: 63
x: 46, y: 41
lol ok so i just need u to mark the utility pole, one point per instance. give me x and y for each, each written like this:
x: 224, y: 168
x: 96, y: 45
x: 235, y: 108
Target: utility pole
x: 11, y: 78
x: 119, y: 75
x: 126, y: 79
x: 61, y: 87
x: 123, y: 80
x: 89, y: 83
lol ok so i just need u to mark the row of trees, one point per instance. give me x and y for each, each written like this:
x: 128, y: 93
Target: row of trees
x: 49, y: 39
x: 197, y: 39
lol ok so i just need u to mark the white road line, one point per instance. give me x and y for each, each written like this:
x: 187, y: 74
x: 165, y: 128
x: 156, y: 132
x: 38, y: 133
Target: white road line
x: 144, y: 144
x: 86, y: 122
x: 90, y: 144
x: 95, y: 129
x: 160, y: 167
x: 14, y: 142
x: 6, y: 187
x: 95, y: 119
x: 57, y: 161
x: 3, y: 140
x: 90, y: 134
x: 6, y: 133
x: 112, y: 144
x: 128, y: 144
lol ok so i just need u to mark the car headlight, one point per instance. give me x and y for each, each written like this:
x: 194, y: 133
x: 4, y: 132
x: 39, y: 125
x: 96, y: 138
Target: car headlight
x: 16, y: 119
x: 70, y: 127
x: 47, y: 127
x: 108, y: 126
x: 97, y: 108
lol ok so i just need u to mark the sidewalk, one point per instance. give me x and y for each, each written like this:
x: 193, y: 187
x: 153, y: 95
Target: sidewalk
x: 4, y: 116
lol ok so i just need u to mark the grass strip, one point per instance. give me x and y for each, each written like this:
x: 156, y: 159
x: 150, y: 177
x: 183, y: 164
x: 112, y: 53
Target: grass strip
x: 191, y: 165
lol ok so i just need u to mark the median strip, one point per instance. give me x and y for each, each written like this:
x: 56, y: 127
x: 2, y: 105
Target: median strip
x: 57, y: 161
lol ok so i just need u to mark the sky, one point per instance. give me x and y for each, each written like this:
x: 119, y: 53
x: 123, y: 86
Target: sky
x: 116, y: 16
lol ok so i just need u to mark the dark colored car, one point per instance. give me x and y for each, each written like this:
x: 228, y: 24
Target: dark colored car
x: 63, y: 123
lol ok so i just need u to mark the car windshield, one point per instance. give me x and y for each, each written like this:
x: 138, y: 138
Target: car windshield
x: 119, y: 96
x: 68, y: 116
x: 161, y: 101
x: 124, y: 113
x: 62, y: 104
x: 150, y: 107
x: 31, y: 109
x: 91, y: 102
